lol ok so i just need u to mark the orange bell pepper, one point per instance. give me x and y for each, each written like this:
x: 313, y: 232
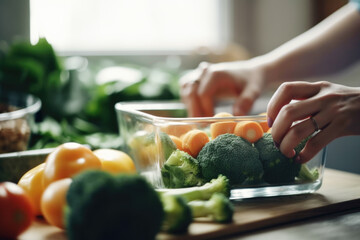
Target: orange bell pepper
x: 32, y: 183
x: 68, y: 160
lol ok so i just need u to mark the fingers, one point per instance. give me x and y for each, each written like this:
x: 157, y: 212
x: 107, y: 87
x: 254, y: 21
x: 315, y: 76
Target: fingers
x: 189, y: 91
x: 215, y: 82
x: 290, y: 91
x: 295, y: 121
x: 245, y: 100
x: 302, y: 130
x: 305, y: 128
x: 191, y: 100
x: 294, y: 136
x: 291, y: 114
x: 206, y: 100
x: 290, y: 120
x: 330, y: 108
x: 282, y: 114
x: 317, y: 142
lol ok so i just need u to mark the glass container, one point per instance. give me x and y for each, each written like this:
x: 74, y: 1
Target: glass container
x: 139, y: 120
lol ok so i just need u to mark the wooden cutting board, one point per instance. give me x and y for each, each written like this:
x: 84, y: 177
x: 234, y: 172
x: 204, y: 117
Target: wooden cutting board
x: 340, y: 191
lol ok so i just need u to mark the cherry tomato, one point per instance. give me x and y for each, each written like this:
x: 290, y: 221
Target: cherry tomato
x: 16, y: 210
x: 115, y: 161
x: 32, y: 183
x: 53, y: 202
x: 67, y: 160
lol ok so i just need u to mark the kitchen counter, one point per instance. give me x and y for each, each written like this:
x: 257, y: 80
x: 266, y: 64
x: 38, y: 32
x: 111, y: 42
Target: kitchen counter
x: 333, y: 212
x: 341, y: 225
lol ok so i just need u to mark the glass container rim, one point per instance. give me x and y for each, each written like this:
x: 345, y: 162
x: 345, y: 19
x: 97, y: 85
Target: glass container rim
x: 33, y: 104
x: 133, y: 108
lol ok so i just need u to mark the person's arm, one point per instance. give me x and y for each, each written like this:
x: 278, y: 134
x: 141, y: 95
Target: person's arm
x: 329, y: 47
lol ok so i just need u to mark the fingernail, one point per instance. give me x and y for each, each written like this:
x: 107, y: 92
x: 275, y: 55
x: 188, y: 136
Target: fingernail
x: 270, y: 122
x: 277, y: 145
x: 293, y: 153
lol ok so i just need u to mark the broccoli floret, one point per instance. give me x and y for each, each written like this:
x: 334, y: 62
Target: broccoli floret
x: 148, y: 149
x: 181, y: 170
x: 204, y: 192
x: 306, y: 174
x: 104, y: 206
x: 277, y: 167
x: 178, y: 214
x: 231, y: 156
x: 167, y: 145
x: 218, y: 207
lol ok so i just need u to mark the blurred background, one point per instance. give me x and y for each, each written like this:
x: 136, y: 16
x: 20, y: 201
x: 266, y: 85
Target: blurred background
x: 82, y: 56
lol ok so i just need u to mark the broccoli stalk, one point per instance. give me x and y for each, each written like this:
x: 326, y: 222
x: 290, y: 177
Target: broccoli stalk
x: 181, y: 205
x: 178, y: 214
x: 181, y: 170
x: 204, y: 192
x: 308, y: 175
x: 218, y: 207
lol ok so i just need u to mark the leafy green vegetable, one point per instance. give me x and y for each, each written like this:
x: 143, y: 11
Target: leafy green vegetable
x: 178, y: 214
x: 218, y: 207
x: 231, y: 156
x: 307, y: 174
x: 217, y: 185
x: 80, y: 105
x: 104, y: 206
x: 181, y: 170
x: 277, y: 167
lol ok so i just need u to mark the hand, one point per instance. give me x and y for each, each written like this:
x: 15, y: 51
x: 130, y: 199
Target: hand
x: 243, y: 80
x: 335, y: 109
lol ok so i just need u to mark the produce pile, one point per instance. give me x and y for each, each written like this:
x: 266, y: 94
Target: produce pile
x: 98, y: 194
x: 242, y: 151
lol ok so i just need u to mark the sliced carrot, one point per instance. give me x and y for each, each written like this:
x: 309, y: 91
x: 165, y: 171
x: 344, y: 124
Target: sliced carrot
x: 219, y: 128
x: 264, y: 124
x: 250, y: 130
x: 177, y: 130
x: 193, y: 141
x: 177, y: 141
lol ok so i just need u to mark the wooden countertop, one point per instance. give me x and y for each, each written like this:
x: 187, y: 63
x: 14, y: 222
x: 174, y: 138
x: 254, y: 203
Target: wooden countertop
x: 340, y: 192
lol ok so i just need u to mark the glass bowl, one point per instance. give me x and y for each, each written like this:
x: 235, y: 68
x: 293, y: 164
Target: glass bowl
x: 136, y: 120
x: 17, y: 112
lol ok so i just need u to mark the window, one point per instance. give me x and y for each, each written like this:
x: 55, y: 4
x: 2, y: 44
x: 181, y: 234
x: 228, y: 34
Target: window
x: 127, y: 25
